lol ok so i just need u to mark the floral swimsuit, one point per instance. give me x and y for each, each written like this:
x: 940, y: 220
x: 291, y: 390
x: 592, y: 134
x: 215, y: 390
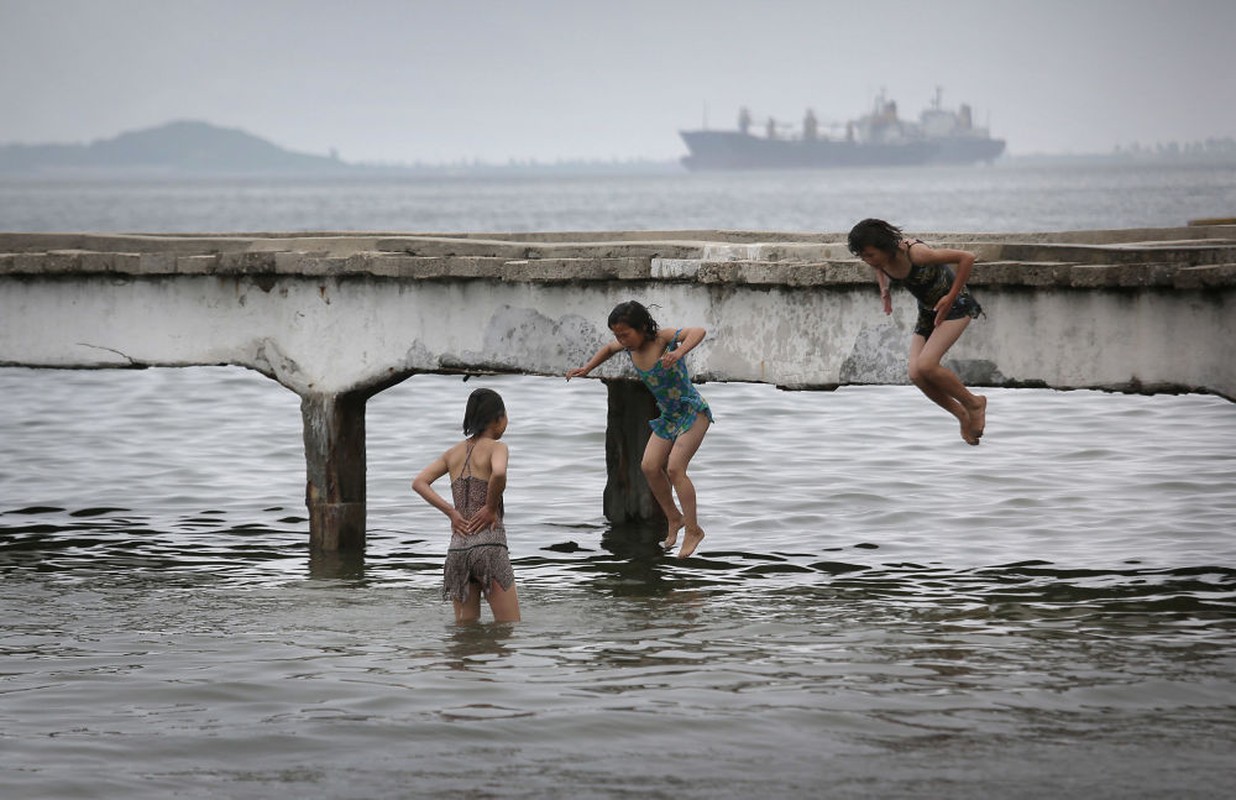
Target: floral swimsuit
x: 676, y: 396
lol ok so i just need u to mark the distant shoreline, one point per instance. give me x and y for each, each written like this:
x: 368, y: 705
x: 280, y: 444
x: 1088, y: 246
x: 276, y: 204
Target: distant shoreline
x: 194, y: 150
x: 564, y: 169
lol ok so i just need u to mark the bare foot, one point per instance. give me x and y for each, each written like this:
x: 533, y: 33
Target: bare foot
x: 978, y: 417
x: 967, y: 428
x: 671, y: 537
x: 691, y: 540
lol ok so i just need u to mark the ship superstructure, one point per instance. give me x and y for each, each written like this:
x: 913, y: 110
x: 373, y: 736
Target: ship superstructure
x: 878, y: 138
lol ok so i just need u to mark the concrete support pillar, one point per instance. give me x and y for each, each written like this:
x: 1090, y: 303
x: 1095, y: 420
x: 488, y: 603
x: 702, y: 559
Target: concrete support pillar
x: 627, y: 497
x: 335, y: 461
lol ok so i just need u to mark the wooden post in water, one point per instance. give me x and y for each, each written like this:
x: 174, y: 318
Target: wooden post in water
x: 627, y: 496
x: 335, y: 465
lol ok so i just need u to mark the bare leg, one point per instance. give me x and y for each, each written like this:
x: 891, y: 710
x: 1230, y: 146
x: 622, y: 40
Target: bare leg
x: 941, y: 384
x: 504, y: 603
x: 679, y: 459
x: 935, y: 393
x: 469, y: 610
x: 656, y: 457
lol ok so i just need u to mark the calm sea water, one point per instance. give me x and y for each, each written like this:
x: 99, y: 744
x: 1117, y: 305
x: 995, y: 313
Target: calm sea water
x: 878, y: 610
x: 1012, y: 196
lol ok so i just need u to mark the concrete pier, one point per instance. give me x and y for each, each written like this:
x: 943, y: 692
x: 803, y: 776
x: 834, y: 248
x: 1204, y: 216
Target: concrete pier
x: 337, y: 317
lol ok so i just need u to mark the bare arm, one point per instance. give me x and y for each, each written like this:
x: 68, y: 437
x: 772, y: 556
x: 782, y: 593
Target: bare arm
x: 421, y: 484
x: 886, y: 297
x: 602, y: 355
x: 486, y: 516
x: 689, y: 339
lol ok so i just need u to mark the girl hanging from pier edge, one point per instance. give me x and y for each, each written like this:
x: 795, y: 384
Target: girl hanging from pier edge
x: 657, y: 355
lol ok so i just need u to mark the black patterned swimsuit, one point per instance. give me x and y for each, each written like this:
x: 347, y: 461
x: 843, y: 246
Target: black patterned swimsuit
x: 480, y: 557
x: 930, y: 282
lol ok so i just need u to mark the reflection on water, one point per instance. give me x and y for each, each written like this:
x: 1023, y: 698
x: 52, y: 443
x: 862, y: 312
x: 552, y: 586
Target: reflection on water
x: 476, y: 644
x: 877, y: 610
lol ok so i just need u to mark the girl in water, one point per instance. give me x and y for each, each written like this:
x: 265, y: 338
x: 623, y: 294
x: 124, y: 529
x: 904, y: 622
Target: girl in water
x: 657, y: 355
x: 477, y: 562
x: 945, y: 308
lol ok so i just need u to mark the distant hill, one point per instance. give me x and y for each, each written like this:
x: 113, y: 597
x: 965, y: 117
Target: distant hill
x: 177, y: 147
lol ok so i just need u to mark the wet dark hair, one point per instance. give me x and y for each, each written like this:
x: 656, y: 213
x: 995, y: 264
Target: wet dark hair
x: 875, y: 233
x: 485, y: 406
x: 634, y: 314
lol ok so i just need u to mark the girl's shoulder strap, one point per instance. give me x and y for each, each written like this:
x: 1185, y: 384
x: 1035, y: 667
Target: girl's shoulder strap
x: 910, y: 246
x: 673, y: 342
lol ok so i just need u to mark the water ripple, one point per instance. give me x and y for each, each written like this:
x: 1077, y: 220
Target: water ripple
x: 858, y: 608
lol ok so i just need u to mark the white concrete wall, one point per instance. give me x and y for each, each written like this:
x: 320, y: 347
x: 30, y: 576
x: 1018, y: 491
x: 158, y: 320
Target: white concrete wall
x: 333, y: 335
x: 332, y: 314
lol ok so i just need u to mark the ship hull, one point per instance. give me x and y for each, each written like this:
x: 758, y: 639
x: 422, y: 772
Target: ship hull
x: 967, y: 149
x: 734, y: 150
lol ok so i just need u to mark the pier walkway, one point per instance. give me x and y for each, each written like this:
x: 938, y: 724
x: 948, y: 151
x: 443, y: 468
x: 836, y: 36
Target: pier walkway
x: 337, y: 317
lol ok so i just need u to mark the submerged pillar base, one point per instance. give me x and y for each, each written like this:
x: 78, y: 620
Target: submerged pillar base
x: 336, y: 526
x: 627, y: 496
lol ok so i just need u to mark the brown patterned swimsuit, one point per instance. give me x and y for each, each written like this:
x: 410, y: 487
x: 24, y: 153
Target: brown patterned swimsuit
x: 479, y: 557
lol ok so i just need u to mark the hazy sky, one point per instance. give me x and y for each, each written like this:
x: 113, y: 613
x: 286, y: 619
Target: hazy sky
x: 446, y: 80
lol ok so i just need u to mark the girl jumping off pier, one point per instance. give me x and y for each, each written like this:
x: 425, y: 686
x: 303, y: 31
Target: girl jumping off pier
x: 657, y: 355
x: 945, y: 308
x: 477, y: 562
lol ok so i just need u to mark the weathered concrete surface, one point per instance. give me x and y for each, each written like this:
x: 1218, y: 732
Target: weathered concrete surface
x: 337, y: 313
x: 337, y: 316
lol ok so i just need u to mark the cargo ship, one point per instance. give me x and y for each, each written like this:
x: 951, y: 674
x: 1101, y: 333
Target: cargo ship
x: 877, y: 139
